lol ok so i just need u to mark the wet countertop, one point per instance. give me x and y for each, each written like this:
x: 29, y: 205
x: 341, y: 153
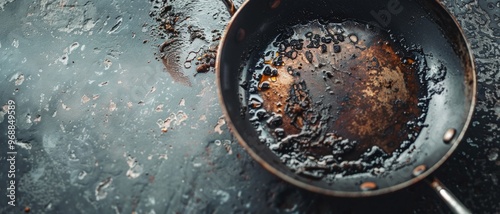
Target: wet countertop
x: 103, y: 126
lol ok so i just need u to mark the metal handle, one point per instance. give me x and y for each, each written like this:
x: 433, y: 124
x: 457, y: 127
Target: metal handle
x: 230, y: 6
x: 455, y: 205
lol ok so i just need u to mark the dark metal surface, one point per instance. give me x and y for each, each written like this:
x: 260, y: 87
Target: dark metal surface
x: 449, y: 109
x: 105, y: 152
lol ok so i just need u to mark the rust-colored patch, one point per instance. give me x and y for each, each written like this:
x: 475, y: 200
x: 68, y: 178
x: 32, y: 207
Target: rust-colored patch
x: 381, y: 100
x: 372, y: 93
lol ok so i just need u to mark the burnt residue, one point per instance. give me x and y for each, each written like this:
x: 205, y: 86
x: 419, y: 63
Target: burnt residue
x: 172, y: 27
x: 205, y: 61
x: 195, y: 33
x: 167, y: 20
x: 341, y: 108
x: 166, y: 17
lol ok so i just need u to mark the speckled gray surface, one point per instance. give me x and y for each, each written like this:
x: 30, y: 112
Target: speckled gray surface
x: 92, y: 100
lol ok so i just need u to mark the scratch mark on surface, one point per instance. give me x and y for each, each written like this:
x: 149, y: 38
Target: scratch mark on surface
x: 115, y: 27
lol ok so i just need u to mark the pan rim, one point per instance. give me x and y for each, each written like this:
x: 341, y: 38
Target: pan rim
x: 339, y: 193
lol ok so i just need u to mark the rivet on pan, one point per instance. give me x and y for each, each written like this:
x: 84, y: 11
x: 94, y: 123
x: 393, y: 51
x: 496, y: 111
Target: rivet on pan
x: 419, y: 170
x: 274, y: 4
x: 240, y: 36
x: 367, y: 186
x: 448, y: 136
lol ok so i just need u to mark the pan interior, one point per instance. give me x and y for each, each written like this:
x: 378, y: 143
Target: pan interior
x: 336, y: 99
x: 378, y: 103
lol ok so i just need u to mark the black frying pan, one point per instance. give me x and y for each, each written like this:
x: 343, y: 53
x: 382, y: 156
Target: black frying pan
x: 412, y: 25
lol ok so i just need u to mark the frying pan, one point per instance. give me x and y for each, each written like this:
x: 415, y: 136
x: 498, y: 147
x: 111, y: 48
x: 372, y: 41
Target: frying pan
x: 412, y: 24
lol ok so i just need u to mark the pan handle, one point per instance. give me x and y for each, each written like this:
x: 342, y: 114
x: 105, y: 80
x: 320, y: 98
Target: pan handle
x: 455, y: 205
x: 230, y: 6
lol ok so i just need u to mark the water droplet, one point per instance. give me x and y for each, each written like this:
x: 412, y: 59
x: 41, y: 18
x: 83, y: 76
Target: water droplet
x: 278, y: 61
x: 291, y: 54
x: 280, y: 132
x: 326, y: 40
x: 353, y: 38
x: 261, y: 114
x: 328, y: 74
x: 257, y: 76
x: 340, y: 37
x: 267, y: 71
x: 336, y: 48
x: 273, y: 79
x: 276, y: 121
x: 255, y: 104
x: 497, y: 109
x: 493, y: 154
x: 265, y: 85
x: 324, y: 49
x: 408, y: 61
x: 255, y: 101
x: 274, y: 73
x: 309, y: 56
x: 262, y: 139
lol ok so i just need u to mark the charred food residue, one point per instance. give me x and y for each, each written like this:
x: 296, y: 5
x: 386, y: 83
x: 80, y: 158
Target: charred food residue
x: 337, y: 99
x: 176, y: 29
